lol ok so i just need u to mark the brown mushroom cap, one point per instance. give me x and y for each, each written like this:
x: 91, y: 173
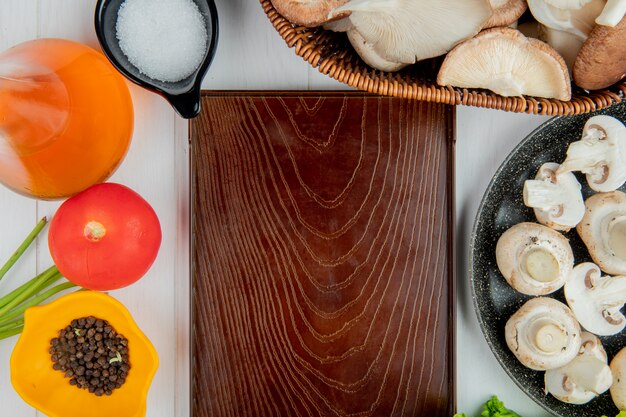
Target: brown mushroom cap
x: 505, y: 12
x: 309, y: 13
x: 601, y: 61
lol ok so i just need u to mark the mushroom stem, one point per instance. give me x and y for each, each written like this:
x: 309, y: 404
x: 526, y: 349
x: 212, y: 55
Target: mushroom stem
x: 543, y: 194
x: 586, y: 154
x: 610, y: 292
x: 541, y: 265
x: 612, y: 13
x: 590, y: 373
x: 550, y: 338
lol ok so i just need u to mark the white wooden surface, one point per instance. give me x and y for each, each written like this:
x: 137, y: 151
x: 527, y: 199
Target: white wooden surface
x: 157, y: 167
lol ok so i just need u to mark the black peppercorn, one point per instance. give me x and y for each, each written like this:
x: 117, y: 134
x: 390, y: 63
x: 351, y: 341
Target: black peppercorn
x: 92, y: 355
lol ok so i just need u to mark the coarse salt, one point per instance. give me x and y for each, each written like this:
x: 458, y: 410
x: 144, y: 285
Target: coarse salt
x: 165, y: 39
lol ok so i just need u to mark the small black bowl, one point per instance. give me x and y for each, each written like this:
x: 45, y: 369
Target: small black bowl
x: 183, y: 95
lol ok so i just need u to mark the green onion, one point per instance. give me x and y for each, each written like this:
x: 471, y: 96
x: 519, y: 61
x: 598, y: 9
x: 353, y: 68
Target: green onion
x: 35, y: 301
x: 11, y: 325
x: 22, y: 248
x: 12, y: 332
x: 36, y: 284
x: 37, y: 290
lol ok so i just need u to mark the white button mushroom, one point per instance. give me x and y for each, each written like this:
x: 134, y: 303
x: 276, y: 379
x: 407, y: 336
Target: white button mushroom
x: 600, y: 154
x: 585, y: 377
x: 556, y: 199
x: 618, y: 389
x: 603, y: 230
x: 534, y: 259
x: 543, y: 334
x: 596, y: 300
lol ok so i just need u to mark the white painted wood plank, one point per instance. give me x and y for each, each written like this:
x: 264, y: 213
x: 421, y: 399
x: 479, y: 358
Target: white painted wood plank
x: 182, y: 271
x: 18, y: 215
x: 251, y: 55
x: 484, y: 139
x: 149, y: 169
x: 68, y: 19
x: 17, y: 219
x: 18, y: 22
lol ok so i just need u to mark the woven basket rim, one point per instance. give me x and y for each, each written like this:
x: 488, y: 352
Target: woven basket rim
x: 310, y: 44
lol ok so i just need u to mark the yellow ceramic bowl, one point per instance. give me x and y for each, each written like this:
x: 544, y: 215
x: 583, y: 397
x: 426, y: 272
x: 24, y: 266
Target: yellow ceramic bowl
x: 49, y: 391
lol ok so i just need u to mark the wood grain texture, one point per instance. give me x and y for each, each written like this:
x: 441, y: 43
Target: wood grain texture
x: 322, y: 256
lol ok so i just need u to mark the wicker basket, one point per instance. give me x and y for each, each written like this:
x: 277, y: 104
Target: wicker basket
x: 332, y: 54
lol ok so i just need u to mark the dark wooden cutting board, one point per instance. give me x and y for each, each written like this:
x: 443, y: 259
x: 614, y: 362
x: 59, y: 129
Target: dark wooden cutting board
x: 322, y: 256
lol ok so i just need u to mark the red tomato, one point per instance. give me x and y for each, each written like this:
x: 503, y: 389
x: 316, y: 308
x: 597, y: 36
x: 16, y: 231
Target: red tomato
x: 105, y: 237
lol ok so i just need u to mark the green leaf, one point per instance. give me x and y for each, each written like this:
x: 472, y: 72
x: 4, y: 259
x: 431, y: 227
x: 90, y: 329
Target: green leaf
x: 621, y: 414
x: 495, y: 408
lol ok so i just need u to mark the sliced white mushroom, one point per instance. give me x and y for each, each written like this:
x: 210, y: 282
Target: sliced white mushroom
x: 534, y: 259
x: 585, y: 377
x: 368, y: 53
x: 596, y: 300
x: 618, y: 389
x: 506, y: 12
x: 603, y: 230
x: 507, y: 63
x: 556, y: 199
x: 612, y: 13
x: 575, y: 17
x: 406, y: 31
x: 600, y: 154
x: 543, y: 334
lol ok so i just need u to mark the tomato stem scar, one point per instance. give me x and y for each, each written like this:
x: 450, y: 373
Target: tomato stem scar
x: 95, y: 231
